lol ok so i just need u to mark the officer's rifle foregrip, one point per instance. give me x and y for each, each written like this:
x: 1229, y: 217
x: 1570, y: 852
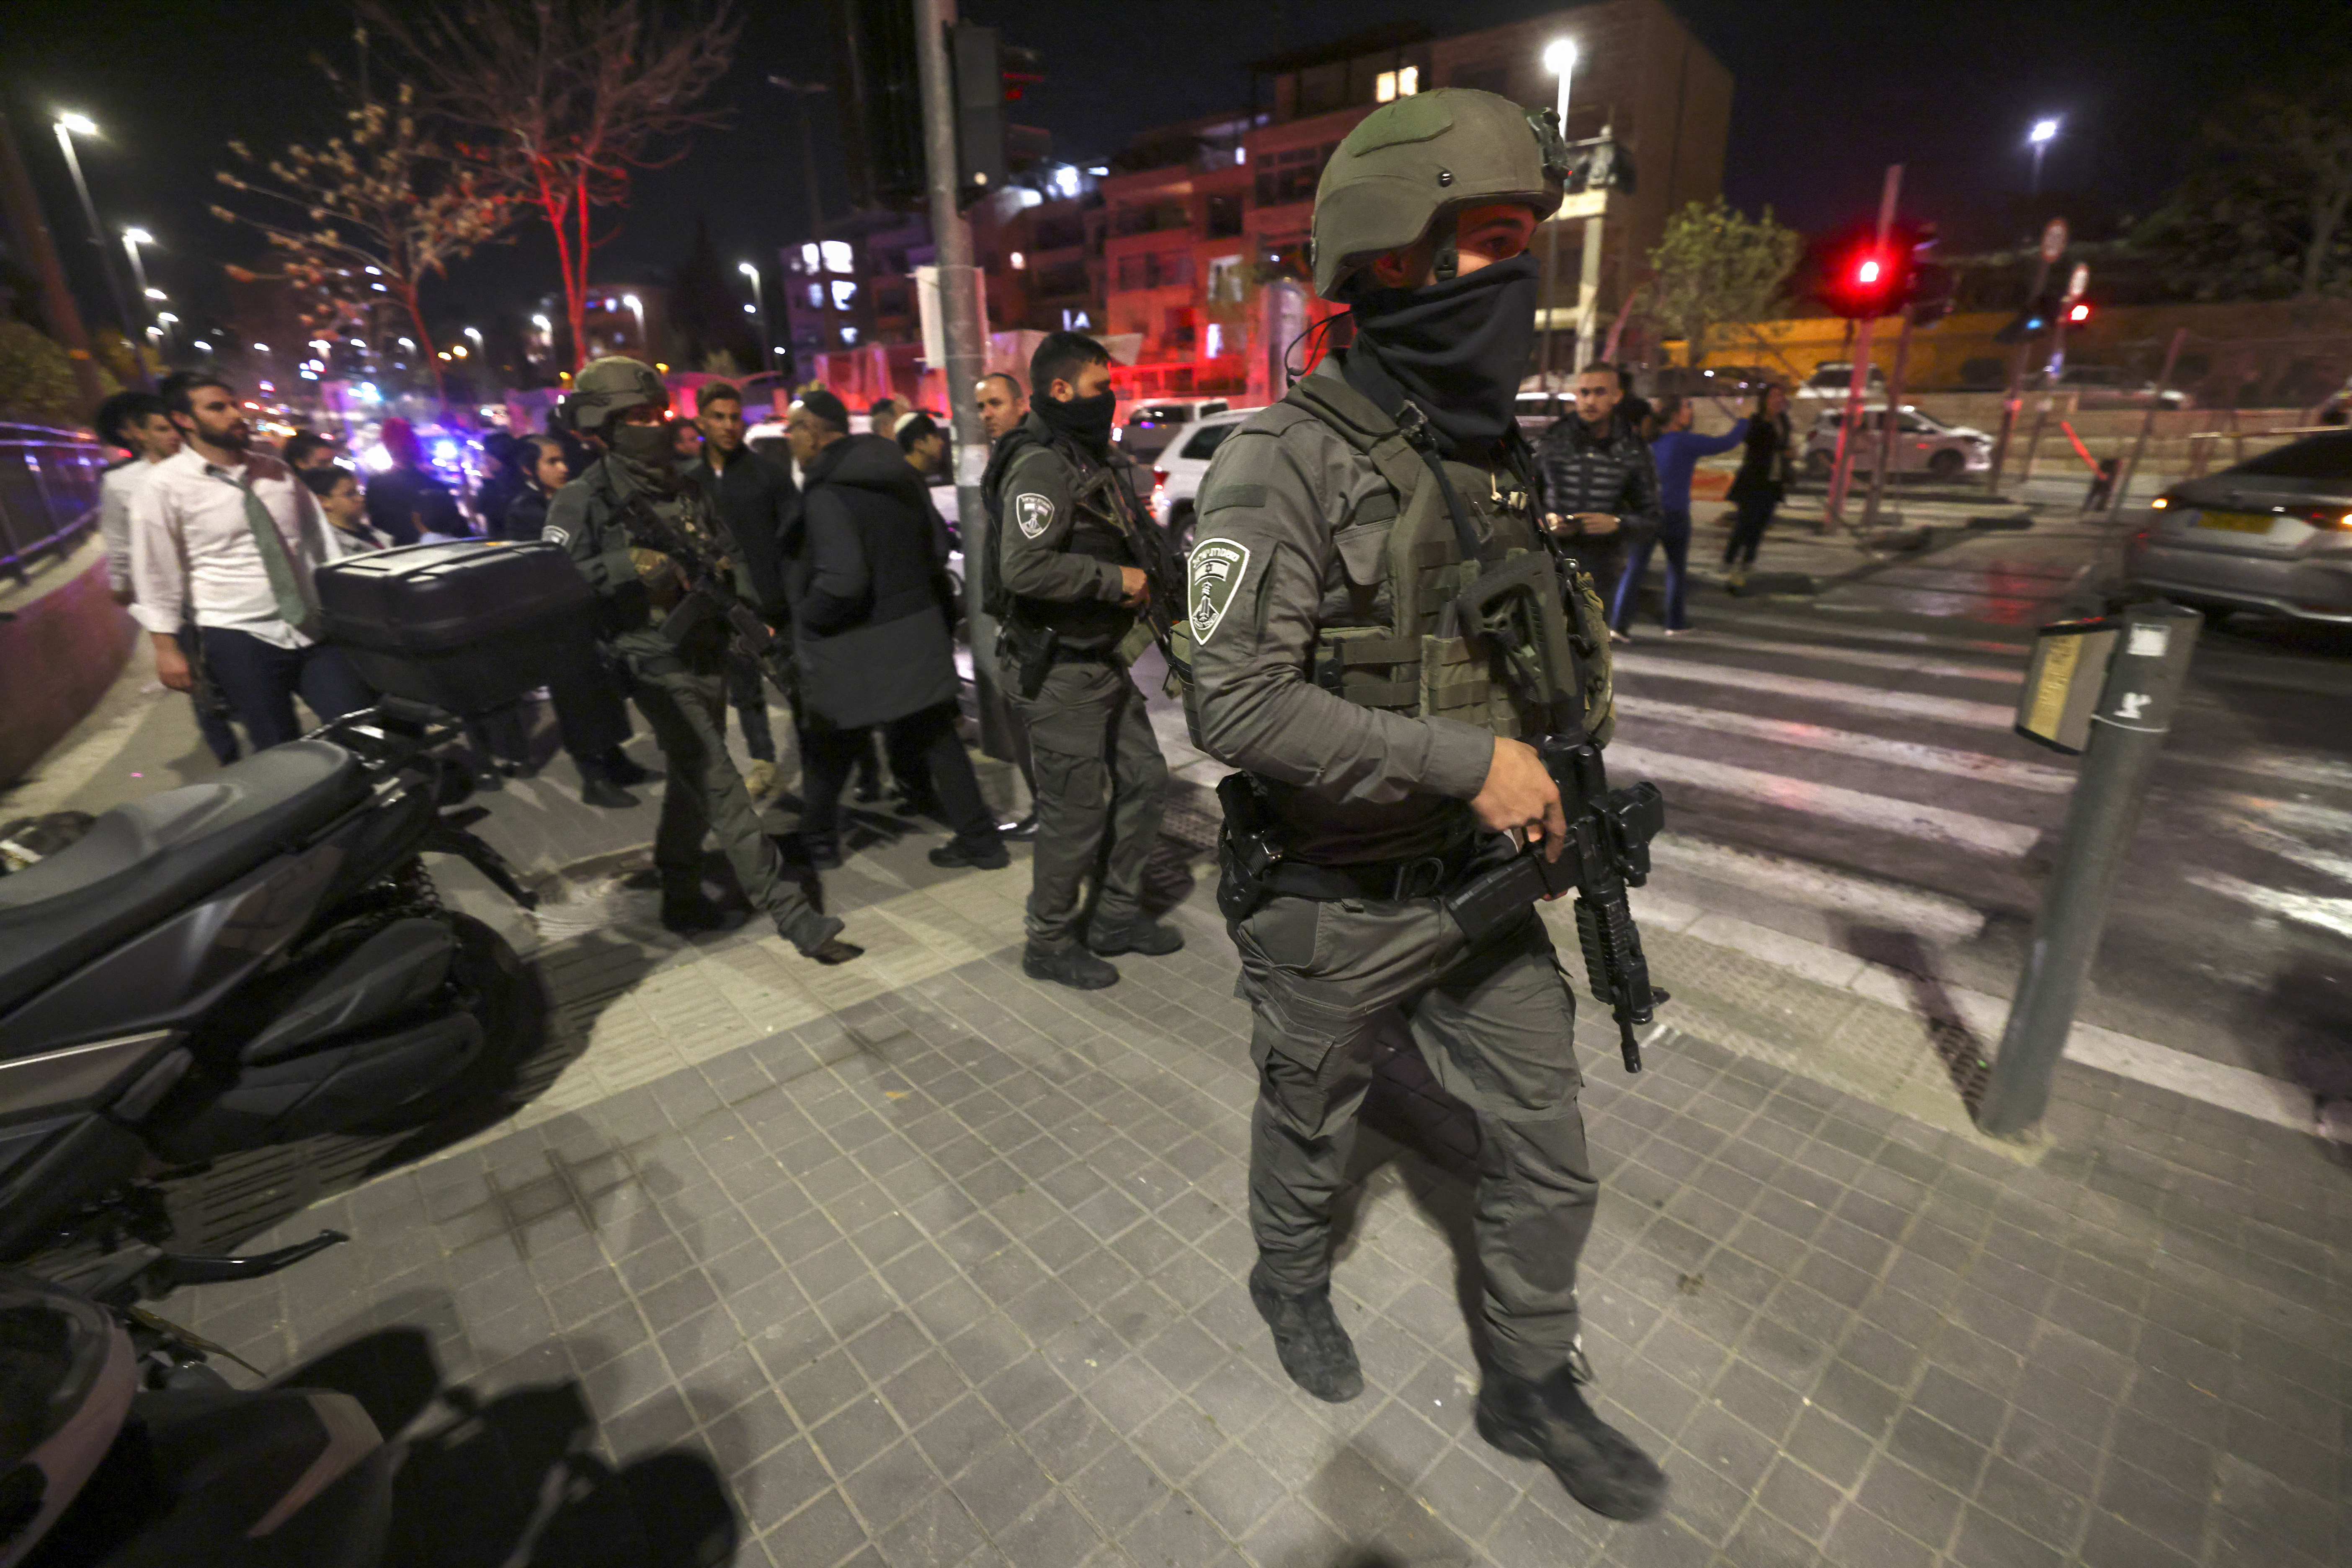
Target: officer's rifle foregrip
x: 748, y: 630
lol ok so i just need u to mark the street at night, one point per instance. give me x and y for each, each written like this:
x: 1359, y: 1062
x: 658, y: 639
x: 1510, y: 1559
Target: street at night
x: 779, y: 786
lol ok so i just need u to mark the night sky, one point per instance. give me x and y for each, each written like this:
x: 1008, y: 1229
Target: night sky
x: 1826, y: 94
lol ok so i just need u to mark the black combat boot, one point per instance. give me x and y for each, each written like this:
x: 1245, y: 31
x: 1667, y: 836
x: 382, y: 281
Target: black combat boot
x: 819, y: 938
x: 599, y: 791
x: 1073, y: 966
x: 1314, y: 1349
x: 1152, y: 939
x: 980, y: 854
x: 1548, y: 1419
x: 691, y: 914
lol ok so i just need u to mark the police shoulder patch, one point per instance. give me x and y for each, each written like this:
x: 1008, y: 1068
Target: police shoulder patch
x: 1033, y: 512
x: 555, y: 534
x: 1211, y: 580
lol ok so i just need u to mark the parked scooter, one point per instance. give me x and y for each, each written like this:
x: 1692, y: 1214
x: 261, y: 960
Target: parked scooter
x: 247, y: 961
x: 121, y: 1447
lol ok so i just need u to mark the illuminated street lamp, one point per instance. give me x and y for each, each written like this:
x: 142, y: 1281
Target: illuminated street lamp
x: 69, y: 126
x: 758, y: 306
x: 132, y: 238
x: 2044, y: 131
x: 1559, y: 59
x: 637, y: 308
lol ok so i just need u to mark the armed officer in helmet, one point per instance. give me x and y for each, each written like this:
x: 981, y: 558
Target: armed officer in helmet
x: 673, y: 648
x: 1339, y: 530
x: 1064, y: 582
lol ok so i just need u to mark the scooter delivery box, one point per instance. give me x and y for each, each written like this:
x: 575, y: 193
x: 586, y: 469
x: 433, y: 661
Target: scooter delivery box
x: 464, y: 625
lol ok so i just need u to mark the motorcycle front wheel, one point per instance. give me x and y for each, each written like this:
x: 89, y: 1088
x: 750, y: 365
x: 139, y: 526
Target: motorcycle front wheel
x: 508, y: 999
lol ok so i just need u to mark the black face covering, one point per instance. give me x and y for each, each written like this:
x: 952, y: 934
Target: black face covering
x: 1085, y: 420
x: 645, y: 450
x: 1458, y: 349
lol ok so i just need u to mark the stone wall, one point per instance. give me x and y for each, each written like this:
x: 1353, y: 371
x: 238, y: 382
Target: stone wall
x: 64, y: 647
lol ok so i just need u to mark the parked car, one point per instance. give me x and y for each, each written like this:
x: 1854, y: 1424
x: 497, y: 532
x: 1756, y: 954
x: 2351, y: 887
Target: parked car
x: 1151, y: 424
x: 2111, y: 386
x: 1535, y: 411
x: 1923, y: 445
x: 1713, y: 381
x: 1176, y: 476
x: 2272, y: 534
x: 1834, y: 378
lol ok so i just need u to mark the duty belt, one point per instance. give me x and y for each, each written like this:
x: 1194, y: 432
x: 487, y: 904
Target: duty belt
x: 1083, y: 655
x: 1381, y: 881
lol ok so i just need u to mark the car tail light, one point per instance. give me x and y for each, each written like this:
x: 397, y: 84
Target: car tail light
x: 2160, y: 502
x: 1159, y: 478
x: 2333, y: 517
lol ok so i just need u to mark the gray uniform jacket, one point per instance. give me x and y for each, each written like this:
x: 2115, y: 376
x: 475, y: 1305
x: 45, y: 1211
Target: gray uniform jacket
x: 1293, y: 536
x: 1060, y: 565
x: 584, y: 519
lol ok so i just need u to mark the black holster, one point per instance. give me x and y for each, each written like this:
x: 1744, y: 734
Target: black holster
x: 1028, y: 651
x: 1246, y: 848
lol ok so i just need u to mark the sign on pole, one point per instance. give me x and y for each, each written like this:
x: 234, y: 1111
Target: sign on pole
x: 2054, y: 239
x: 2078, y: 282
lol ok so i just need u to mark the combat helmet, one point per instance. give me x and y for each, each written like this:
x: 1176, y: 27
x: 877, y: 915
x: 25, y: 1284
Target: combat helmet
x: 1411, y: 160
x: 605, y: 386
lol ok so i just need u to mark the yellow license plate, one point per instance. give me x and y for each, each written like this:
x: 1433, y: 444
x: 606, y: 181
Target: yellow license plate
x: 2234, y: 522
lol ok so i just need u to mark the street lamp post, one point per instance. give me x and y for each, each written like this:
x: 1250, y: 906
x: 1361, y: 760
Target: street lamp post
x: 637, y: 308
x: 1559, y: 59
x: 70, y: 126
x: 800, y: 92
x: 758, y: 309
x: 2044, y: 131
x: 132, y: 238
x: 167, y: 321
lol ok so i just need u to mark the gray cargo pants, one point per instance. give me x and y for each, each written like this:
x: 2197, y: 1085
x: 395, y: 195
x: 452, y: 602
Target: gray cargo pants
x: 1326, y: 982
x: 687, y: 712
x: 1101, y: 783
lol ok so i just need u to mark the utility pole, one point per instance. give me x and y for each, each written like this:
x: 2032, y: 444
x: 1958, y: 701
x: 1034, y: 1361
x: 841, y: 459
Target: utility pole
x: 1887, y: 433
x: 2148, y: 422
x: 1842, y: 471
x: 966, y: 335
x: 2053, y: 246
x: 56, y: 299
x: 803, y: 92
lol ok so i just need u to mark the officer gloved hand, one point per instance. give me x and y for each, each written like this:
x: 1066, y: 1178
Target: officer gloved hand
x: 659, y: 573
x: 1519, y: 796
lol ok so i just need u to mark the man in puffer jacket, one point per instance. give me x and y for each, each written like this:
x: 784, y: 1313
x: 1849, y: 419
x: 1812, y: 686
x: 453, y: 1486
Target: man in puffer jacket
x: 1598, y: 480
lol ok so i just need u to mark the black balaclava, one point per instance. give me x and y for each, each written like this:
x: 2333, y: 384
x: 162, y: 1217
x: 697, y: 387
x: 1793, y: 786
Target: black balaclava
x: 1458, y: 349
x: 644, y: 452
x: 1085, y: 420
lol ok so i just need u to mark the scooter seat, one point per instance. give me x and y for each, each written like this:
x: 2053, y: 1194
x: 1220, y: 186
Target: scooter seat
x: 142, y: 861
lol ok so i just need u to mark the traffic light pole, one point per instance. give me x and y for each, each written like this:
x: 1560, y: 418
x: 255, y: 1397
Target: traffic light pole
x: 1841, y: 470
x: 2015, y: 396
x: 966, y: 335
x: 1887, y: 423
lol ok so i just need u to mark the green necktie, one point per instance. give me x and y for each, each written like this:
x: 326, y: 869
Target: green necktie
x: 294, y: 606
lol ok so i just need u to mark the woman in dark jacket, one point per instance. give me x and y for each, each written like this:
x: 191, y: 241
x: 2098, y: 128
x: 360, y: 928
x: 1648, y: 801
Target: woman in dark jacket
x: 870, y: 630
x: 1758, y: 489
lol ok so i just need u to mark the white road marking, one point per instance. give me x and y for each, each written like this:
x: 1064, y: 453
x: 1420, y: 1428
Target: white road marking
x: 2280, y: 767
x: 1863, y: 899
x: 1876, y: 659
x: 1885, y: 634
x: 2321, y: 820
x: 2287, y: 846
x: 1844, y: 694
x: 2322, y: 913
x: 1937, y: 823
x: 1973, y: 765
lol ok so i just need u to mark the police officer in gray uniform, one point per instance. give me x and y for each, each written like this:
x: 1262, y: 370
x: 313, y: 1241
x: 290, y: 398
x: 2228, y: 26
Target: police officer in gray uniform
x: 1339, y: 531
x: 1067, y: 586
x: 675, y: 651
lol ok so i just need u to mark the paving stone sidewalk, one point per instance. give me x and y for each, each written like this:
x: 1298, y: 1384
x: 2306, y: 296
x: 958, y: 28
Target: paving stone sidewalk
x: 948, y: 1272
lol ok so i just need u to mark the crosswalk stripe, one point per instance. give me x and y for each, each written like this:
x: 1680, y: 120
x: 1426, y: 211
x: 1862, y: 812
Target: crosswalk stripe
x: 2305, y: 909
x: 2287, y: 846
x: 1973, y: 765
x: 1844, y: 694
x: 2292, y: 814
x: 1936, y: 824
x: 2286, y: 767
x: 1876, y: 659
x: 1885, y: 634
x: 1864, y: 899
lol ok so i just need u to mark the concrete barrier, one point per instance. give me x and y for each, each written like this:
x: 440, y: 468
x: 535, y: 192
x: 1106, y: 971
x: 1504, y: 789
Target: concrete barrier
x: 65, y: 646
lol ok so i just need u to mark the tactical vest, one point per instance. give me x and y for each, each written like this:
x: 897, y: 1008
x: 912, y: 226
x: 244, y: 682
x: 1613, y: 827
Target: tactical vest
x: 1393, y: 640
x: 1096, y: 625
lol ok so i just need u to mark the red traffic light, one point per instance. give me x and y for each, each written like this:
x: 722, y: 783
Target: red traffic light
x: 1864, y: 277
x: 2077, y: 313
x: 1866, y: 271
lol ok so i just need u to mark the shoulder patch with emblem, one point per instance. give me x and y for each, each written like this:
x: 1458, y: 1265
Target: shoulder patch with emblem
x: 553, y: 534
x: 1214, y: 573
x: 1033, y: 512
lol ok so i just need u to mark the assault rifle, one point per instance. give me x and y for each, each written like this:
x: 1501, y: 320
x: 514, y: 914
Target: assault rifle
x: 709, y: 593
x: 1155, y: 552
x: 1606, y: 851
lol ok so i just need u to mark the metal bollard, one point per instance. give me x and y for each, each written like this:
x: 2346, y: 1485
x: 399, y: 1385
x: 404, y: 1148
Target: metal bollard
x: 2148, y: 647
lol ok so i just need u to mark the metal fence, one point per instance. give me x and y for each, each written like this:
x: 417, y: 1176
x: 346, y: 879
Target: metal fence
x: 48, y: 491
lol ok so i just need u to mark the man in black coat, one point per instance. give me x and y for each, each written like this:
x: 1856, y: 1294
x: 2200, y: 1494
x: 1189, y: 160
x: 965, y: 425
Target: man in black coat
x: 755, y: 500
x: 1598, y: 480
x: 871, y: 631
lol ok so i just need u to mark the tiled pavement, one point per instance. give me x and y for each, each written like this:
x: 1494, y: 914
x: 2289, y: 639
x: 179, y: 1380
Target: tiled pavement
x: 948, y: 1272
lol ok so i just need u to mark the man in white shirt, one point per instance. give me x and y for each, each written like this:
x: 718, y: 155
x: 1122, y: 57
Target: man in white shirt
x: 137, y: 421
x: 227, y: 538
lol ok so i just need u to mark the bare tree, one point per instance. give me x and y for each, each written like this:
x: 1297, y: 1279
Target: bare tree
x: 572, y: 97
x: 371, y: 213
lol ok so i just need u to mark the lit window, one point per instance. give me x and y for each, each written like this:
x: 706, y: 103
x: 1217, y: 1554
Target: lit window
x: 849, y: 334
x: 809, y: 261
x: 1385, y: 87
x: 816, y: 296
x: 1408, y: 81
x: 1066, y: 180
x: 836, y: 256
x: 1216, y: 341
x: 1019, y: 261
x: 845, y: 294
